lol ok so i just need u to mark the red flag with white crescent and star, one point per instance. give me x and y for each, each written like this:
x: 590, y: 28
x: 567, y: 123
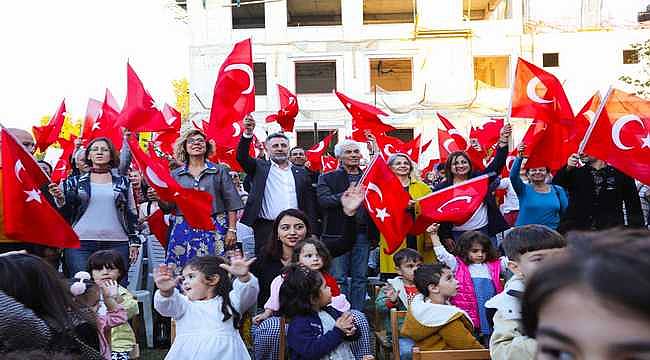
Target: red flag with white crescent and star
x: 93, y: 111
x: 140, y: 112
x: 234, y: 95
x: 48, y: 134
x: 62, y: 167
x: 454, y: 204
x: 195, y: 205
x: 28, y: 216
x: 364, y: 117
x: 315, y: 153
x: 286, y: 116
x: 487, y: 134
x: 329, y: 163
x: 620, y: 134
x: 105, y: 126
x: 387, y: 202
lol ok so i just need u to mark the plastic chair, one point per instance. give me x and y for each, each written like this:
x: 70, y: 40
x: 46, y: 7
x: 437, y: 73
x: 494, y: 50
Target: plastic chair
x: 142, y: 296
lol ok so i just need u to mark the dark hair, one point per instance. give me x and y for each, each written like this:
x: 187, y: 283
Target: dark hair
x: 405, y: 255
x: 468, y: 239
x: 115, y: 157
x: 110, y: 259
x: 527, y: 238
x: 299, y: 290
x: 426, y: 275
x: 321, y: 249
x: 276, y: 135
x: 46, y: 164
x: 450, y: 160
x: 273, y: 248
x: 614, y: 266
x: 209, y: 266
x: 294, y: 148
x: 35, y: 284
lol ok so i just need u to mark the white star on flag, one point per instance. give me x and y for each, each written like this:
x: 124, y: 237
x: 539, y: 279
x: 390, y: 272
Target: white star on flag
x: 155, y: 105
x: 95, y: 126
x: 33, y: 195
x: 382, y: 214
x: 645, y: 142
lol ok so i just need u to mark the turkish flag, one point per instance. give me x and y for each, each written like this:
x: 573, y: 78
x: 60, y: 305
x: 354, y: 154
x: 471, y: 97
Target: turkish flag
x: 364, y: 117
x: 535, y: 91
x: 93, y: 111
x: 389, y: 145
x: 234, y: 91
x: 196, y: 205
x: 105, y: 126
x: 386, y: 201
x: 140, y: 112
x: 48, y: 134
x: 315, y: 153
x: 429, y: 168
x: 512, y: 155
x: 583, y: 119
x: 329, y: 163
x: 159, y: 226
x: 28, y: 216
x: 451, y: 139
x: 165, y: 139
x: 487, y: 134
x: 454, y: 204
x: 62, y: 167
x: 288, y: 110
x: 620, y: 134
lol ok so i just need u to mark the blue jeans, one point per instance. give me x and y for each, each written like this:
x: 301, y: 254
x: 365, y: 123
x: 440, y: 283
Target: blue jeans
x: 355, y: 265
x: 77, y: 259
x: 405, y: 347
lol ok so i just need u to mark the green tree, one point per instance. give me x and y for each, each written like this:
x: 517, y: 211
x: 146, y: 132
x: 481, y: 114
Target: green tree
x: 640, y: 80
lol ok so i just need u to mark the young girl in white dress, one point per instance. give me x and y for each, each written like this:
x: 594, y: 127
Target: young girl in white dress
x: 207, y: 315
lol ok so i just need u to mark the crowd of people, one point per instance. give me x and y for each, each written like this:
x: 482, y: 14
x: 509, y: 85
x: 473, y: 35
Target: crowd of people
x: 541, y: 267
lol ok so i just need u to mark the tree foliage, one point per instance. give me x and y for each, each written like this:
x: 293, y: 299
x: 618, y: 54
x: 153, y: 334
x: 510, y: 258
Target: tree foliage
x: 640, y: 80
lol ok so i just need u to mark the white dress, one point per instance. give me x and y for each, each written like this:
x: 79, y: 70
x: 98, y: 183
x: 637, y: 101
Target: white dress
x: 201, y: 333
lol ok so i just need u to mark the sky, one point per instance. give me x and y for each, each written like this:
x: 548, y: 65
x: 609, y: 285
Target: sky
x: 51, y: 49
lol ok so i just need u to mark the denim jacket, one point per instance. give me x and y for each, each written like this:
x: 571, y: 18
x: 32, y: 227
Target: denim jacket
x: 215, y: 180
x: 76, y: 190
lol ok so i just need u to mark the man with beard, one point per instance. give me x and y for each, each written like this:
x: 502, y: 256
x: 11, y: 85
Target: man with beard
x: 276, y: 185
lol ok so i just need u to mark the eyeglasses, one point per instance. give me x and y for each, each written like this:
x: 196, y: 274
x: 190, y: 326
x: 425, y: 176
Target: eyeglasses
x: 196, y: 141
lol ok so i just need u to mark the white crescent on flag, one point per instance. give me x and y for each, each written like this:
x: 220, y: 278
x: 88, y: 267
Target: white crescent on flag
x: 532, y: 93
x: 446, y: 145
x: 17, y: 167
x: 618, y: 126
x: 375, y: 188
x: 465, y: 198
x: 387, y: 151
x: 153, y: 177
x: 237, y: 129
x: 319, y: 148
x: 249, y: 72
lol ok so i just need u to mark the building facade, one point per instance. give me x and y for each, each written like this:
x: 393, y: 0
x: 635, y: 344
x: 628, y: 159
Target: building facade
x: 411, y: 58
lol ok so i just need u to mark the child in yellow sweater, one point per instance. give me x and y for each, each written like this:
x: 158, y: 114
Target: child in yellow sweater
x: 107, y: 265
x: 431, y: 322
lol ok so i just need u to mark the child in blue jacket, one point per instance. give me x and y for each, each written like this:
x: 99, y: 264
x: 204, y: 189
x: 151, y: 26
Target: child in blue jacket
x: 315, y: 329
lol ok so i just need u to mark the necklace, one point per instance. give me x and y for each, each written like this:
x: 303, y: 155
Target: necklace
x: 100, y: 171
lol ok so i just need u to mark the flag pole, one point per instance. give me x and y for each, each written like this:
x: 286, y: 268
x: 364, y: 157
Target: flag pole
x: 590, y: 129
x: 513, y: 77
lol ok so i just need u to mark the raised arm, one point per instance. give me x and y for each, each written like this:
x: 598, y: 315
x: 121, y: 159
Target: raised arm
x: 243, y: 157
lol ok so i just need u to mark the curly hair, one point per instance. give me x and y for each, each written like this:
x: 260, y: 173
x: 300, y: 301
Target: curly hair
x: 321, y: 249
x: 469, y: 238
x: 115, y: 157
x: 299, y: 291
x: 180, y: 148
x: 209, y: 266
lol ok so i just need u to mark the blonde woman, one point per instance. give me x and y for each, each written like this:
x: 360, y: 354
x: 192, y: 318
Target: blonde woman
x: 192, y: 149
